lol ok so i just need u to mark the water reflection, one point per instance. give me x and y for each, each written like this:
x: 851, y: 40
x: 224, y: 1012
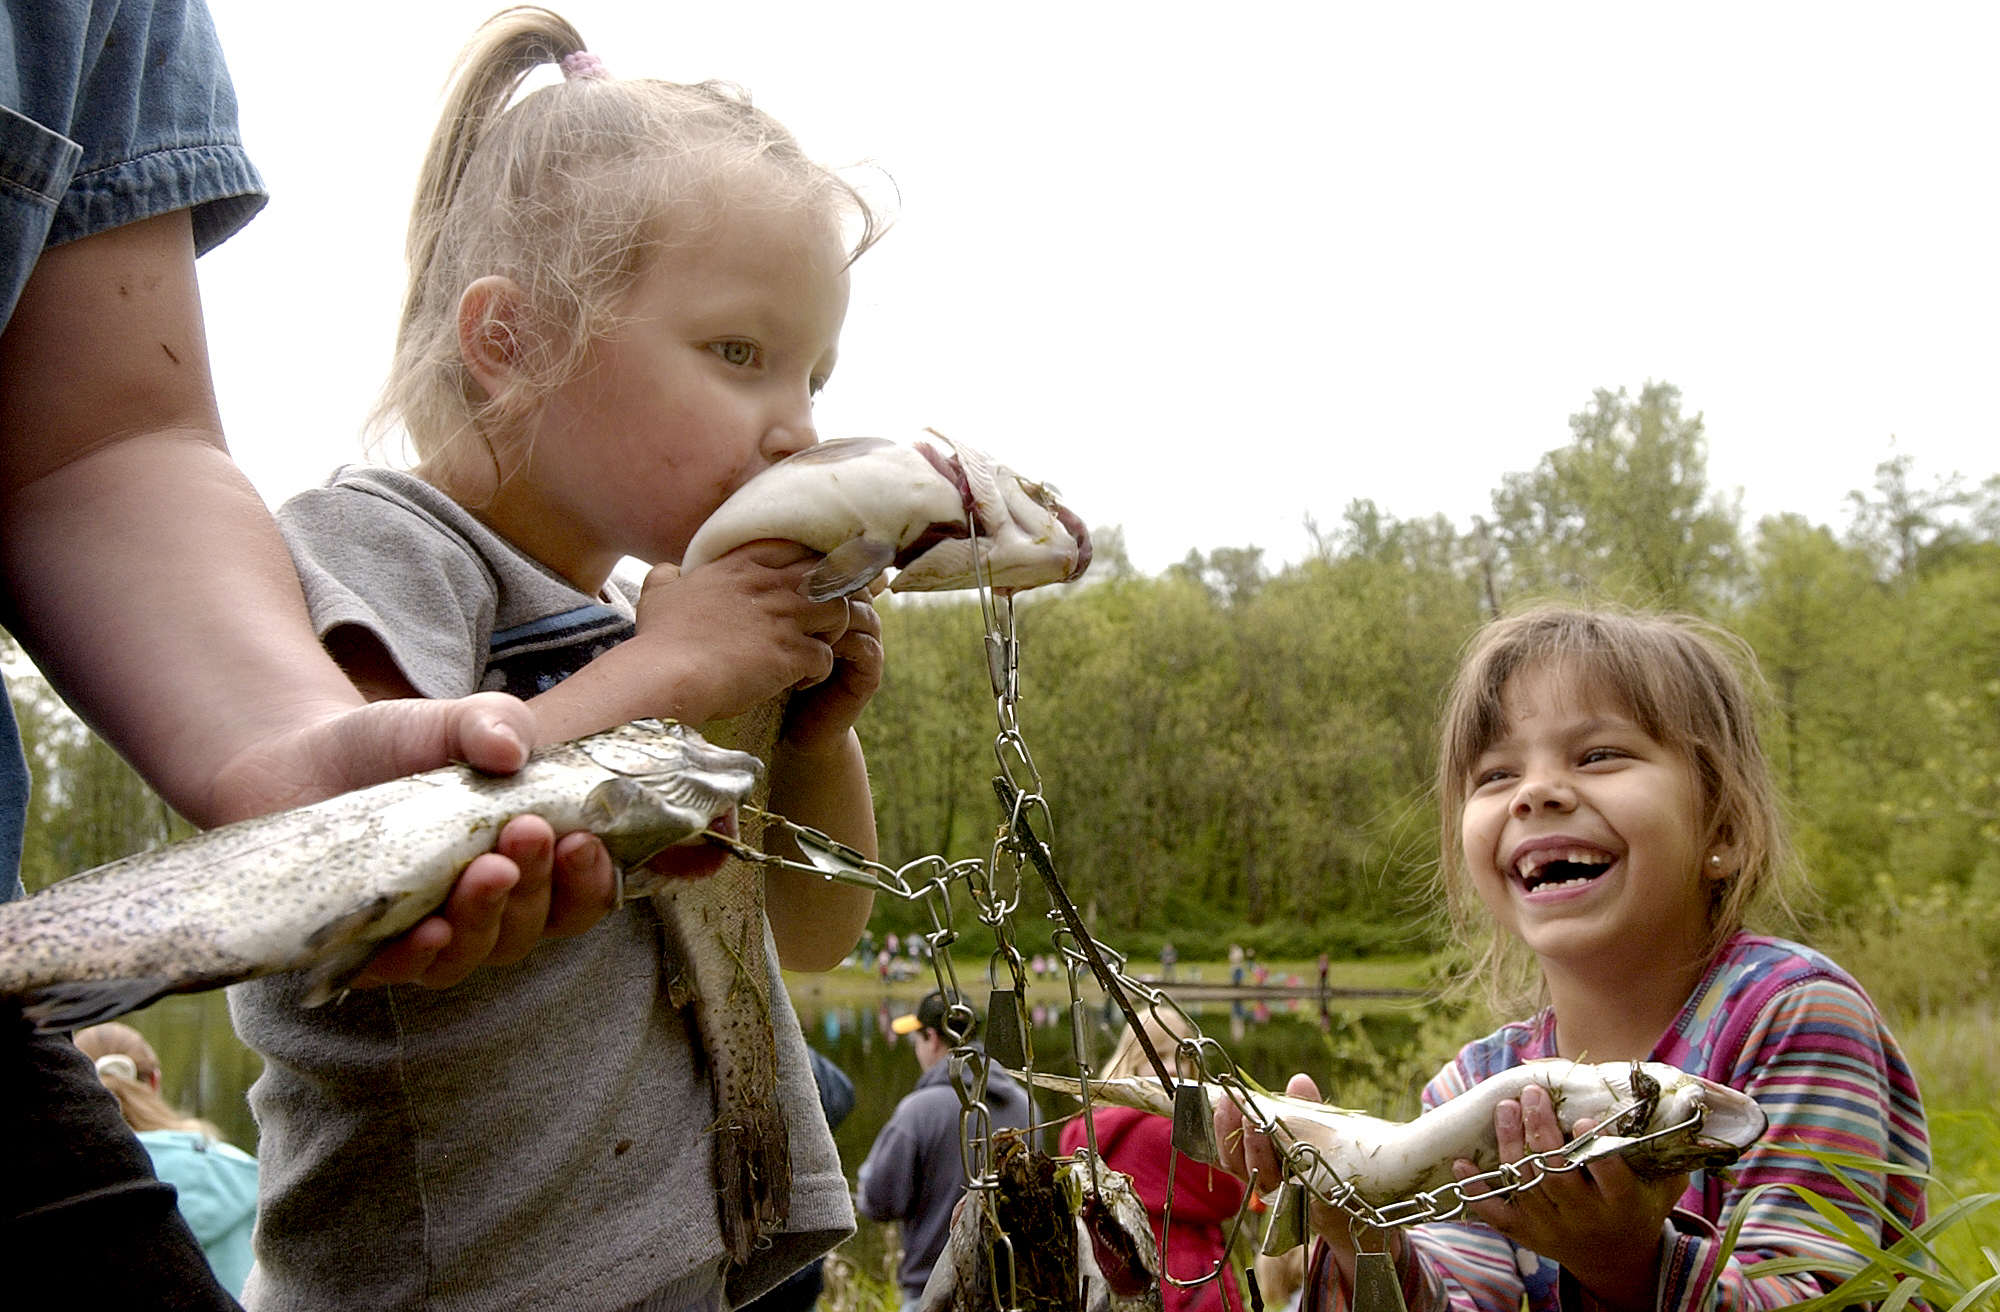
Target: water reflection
x: 205, y: 1069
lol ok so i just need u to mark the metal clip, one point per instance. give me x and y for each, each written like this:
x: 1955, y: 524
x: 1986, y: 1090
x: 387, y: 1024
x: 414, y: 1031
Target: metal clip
x: 1194, y: 1124
x: 1286, y: 1229
x: 1377, y: 1287
x: 1003, y: 1029
x: 996, y: 663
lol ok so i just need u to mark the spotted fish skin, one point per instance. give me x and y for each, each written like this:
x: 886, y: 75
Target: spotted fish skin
x: 716, y: 930
x: 321, y: 887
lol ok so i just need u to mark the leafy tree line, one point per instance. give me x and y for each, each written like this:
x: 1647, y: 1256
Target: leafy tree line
x: 1232, y: 751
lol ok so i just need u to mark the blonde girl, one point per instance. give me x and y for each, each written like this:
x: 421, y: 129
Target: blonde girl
x: 215, y: 1183
x: 1610, y: 825
x: 623, y: 297
x: 1141, y: 1144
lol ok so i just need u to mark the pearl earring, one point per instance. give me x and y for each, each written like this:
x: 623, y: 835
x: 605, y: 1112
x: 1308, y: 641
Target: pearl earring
x: 1715, y: 861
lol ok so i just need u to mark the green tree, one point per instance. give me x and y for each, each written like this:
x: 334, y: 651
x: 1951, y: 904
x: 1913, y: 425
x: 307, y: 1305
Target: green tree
x: 1623, y: 510
x: 1901, y: 525
x: 87, y: 806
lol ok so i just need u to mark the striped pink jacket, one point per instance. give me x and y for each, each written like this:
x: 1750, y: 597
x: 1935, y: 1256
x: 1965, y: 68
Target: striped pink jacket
x: 1780, y: 1022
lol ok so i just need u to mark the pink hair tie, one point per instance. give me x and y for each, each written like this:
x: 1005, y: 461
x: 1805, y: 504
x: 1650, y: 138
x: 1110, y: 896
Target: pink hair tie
x: 581, y: 65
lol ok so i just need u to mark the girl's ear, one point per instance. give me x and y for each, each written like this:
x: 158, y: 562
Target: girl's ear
x: 489, y: 321
x: 1724, y: 859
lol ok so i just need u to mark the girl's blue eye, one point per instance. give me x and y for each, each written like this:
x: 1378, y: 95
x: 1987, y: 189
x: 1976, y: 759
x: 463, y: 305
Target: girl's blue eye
x: 741, y: 354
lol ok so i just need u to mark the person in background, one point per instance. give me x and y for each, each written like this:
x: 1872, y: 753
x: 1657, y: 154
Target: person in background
x: 1206, y: 1199
x: 144, y: 576
x: 215, y: 1182
x: 915, y: 1172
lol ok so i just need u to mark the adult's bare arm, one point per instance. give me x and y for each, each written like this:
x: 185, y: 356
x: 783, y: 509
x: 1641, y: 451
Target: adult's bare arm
x: 147, y: 579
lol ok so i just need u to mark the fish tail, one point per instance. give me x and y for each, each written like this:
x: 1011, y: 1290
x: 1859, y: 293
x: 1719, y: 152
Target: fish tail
x: 753, y: 1175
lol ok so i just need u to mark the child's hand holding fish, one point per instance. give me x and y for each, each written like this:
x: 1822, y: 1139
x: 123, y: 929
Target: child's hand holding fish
x: 711, y: 644
x: 1601, y: 1222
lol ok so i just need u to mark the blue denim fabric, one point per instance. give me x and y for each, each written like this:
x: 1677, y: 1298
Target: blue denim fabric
x: 13, y: 800
x: 109, y: 113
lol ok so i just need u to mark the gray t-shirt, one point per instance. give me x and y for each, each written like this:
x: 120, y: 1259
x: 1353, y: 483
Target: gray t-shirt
x: 536, y: 1136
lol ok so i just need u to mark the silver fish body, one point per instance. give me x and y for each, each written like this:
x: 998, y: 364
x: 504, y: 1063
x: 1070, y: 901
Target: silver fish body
x: 867, y: 504
x: 1391, y: 1161
x: 321, y: 887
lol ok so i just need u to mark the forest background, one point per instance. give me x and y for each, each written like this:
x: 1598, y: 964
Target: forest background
x: 1236, y: 754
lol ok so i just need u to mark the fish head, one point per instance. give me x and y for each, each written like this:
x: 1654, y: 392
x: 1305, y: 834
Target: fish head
x: 1116, y: 1248
x: 1026, y: 536
x: 1702, y: 1125
x: 669, y: 785
x: 943, y: 514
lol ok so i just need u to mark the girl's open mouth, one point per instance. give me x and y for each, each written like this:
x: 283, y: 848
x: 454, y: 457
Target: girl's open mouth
x: 1551, y: 868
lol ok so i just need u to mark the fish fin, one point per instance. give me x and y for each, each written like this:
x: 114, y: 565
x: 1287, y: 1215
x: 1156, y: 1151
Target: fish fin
x: 327, y: 977
x: 848, y: 568
x: 73, y: 1004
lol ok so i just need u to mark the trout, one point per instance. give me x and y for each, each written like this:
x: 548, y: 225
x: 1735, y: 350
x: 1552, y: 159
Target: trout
x: 319, y: 888
x: 866, y: 505
x: 1390, y: 1161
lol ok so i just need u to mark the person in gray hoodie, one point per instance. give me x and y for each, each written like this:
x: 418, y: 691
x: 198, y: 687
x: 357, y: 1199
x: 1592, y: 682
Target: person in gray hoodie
x: 915, y: 1173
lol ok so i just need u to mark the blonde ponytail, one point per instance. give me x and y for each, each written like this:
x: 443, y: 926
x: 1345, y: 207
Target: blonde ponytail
x: 484, y: 77
x: 569, y: 193
x: 129, y: 1068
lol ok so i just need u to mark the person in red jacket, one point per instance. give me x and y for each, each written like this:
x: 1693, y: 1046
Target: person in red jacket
x: 1140, y: 1144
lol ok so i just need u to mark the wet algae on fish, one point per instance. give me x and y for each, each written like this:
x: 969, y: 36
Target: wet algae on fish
x: 1039, y: 1227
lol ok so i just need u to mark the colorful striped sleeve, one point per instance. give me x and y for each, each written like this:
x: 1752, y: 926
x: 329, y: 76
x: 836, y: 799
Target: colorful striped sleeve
x: 1820, y: 1064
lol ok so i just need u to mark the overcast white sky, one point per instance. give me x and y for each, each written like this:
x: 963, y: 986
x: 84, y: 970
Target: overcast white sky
x: 1211, y: 269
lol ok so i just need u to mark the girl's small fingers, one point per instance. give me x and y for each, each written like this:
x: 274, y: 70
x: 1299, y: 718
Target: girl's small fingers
x: 1507, y: 1131
x: 1538, y: 1120
x: 817, y: 660
x: 862, y: 617
x: 826, y: 620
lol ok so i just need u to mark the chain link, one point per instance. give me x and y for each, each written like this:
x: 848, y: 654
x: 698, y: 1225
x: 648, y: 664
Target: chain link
x: 993, y: 885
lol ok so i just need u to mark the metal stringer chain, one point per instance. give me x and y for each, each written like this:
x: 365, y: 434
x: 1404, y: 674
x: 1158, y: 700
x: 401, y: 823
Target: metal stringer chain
x: 993, y: 886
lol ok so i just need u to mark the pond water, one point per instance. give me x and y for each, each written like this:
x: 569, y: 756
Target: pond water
x: 206, y: 1070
